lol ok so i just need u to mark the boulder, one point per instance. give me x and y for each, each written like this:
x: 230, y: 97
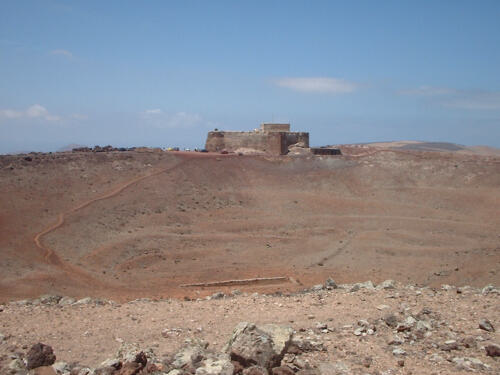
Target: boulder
x: 104, y: 371
x: 486, y: 325
x: 108, y: 367
x: 44, y: 370
x: 469, y: 363
x: 489, y: 289
x: 129, y: 351
x: 216, y: 364
x: 49, y: 299
x: 398, y: 352
x: 61, y: 367
x: 407, y: 324
x: 366, y: 285
x: 129, y: 368
x: 387, y: 284
x: 263, y: 345
x: 66, y: 301
x: 133, y: 367
x: 282, y: 370
x: 310, y: 371
x: 255, y: 370
x: 492, y: 350
x: 449, y: 345
x: 81, y: 371
x: 330, y: 284
x: 300, y: 345
x: 217, y: 295
x: 191, y: 355
x: 17, y: 366
x: 84, y: 301
x: 391, y: 320
x: 40, y: 355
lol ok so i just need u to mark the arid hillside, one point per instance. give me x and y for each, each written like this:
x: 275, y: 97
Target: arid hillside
x: 134, y: 224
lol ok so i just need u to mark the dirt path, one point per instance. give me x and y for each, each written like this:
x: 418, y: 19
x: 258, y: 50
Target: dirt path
x: 50, y: 256
x: 338, y: 251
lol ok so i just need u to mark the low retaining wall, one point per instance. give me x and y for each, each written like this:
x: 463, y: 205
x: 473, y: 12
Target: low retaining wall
x: 326, y: 151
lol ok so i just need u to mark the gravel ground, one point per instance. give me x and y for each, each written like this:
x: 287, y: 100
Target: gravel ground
x: 434, y: 331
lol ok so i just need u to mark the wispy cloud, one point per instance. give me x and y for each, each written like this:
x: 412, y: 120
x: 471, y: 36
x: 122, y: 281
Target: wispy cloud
x: 79, y: 116
x: 159, y: 118
x: 156, y: 111
x: 455, y: 98
x: 36, y: 111
x: 428, y: 91
x: 62, y: 52
x: 317, y: 84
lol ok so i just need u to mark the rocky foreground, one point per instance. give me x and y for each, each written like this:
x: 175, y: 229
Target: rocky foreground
x: 329, y: 329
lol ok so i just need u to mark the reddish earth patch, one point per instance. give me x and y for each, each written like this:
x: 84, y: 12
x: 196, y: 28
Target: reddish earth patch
x: 128, y: 224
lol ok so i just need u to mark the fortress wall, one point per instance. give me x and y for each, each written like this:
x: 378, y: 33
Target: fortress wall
x: 272, y: 143
x: 215, y: 141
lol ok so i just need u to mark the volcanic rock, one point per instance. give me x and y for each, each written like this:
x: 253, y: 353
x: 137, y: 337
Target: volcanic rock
x: 486, y: 325
x: 216, y: 364
x: 263, y: 345
x: 282, y: 370
x: 40, y: 355
x: 492, y: 350
x: 255, y: 370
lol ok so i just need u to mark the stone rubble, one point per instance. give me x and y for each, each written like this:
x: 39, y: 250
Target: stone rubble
x: 409, y: 335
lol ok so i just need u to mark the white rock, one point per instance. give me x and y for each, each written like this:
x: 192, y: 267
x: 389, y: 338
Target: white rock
x: 387, y: 284
x: 359, y: 331
x: 398, y: 352
x: 423, y: 325
x: 61, y: 368
x: 83, y: 301
x: 436, y: 358
x: 217, y: 365
x: 17, y: 365
x: 489, y: 289
x: 114, y: 362
x: 321, y: 325
x: 65, y: 301
x: 469, y: 364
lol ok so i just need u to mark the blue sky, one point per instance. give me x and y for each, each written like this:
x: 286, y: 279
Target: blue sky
x: 163, y: 73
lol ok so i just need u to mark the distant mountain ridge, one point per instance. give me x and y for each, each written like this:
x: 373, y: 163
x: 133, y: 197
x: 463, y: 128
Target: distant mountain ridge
x: 435, y: 147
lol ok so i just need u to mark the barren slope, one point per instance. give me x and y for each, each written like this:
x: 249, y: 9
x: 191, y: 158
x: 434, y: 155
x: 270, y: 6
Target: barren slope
x: 133, y: 224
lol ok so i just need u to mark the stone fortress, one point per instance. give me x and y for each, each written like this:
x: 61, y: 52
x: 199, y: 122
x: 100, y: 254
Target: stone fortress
x: 270, y: 138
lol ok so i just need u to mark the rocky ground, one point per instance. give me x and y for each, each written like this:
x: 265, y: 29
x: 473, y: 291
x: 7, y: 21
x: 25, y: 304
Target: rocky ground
x: 328, y: 329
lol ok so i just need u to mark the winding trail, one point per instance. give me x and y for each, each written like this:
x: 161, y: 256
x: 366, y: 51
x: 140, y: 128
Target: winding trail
x: 50, y: 255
